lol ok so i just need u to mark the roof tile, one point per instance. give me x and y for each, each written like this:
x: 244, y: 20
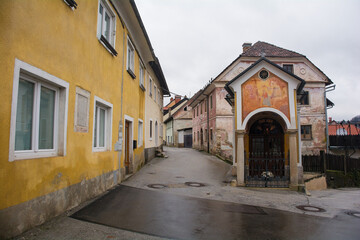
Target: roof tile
x: 269, y: 50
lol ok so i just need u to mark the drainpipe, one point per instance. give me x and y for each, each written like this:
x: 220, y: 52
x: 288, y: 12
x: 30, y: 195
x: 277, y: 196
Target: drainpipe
x: 327, y: 89
x: 299, y: 134
x: 118, y: 144
x: 208, y: 123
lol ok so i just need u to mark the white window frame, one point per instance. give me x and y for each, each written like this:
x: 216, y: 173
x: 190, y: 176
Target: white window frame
x: 150, y: 86
x: 130, y: 63
x: 108, y: 107
x: 86, y: 94
x: 155, y: 88
x: 106, y: 7
x: 141, y: 74
x: 140, y: 132
x: 159, y: 97
x: 40, y: 78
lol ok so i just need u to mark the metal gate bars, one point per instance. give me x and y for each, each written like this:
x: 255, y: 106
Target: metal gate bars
x: 267, y: 170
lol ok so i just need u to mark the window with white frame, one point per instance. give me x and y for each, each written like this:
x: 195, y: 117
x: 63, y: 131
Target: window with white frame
x: 130, y: 63
x: 155, y: 92
x: 106, y: 26
x: 102, y: 125
x: 39, y: 114
x: 140, y: 133
x: 141, y: 74
x: 150, y: 129
x: 159, y: 97
x: 150, y: 86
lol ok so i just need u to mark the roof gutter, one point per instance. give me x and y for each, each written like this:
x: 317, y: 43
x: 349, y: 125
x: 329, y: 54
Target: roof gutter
x: 155, y: 65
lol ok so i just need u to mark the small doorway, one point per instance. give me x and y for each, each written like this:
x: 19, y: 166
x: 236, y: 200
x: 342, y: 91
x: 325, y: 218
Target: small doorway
x: 266, y: 154
x: 127, y: 147
x: 201, y: 139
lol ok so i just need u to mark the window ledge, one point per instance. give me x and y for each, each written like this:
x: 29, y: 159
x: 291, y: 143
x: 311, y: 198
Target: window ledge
x: 100, y: 149
x: 71, y: 3
x: 108, y: 46
x: 132, y: 74
x: 142, y: 87
x: 32, y: 155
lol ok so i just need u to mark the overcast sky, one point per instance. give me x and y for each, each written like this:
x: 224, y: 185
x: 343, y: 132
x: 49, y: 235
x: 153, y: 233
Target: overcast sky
x: 196, y: 39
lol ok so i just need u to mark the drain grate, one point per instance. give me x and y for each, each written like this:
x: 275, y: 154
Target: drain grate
x: 157, y: 186
x: 309, y: 208
x: 195, y: 184
x: 354, y: 214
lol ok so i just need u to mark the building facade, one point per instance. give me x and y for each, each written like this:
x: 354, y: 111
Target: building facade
x: 178, y: 123
x: 74, y: 97
x: 309, y: 105
x: 212, y: 120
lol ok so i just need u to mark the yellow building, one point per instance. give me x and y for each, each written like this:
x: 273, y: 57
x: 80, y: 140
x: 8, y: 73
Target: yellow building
x: 73, y: 92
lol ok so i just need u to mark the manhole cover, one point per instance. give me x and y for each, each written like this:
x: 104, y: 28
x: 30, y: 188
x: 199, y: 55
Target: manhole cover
x: 179, y: 177
x: 309, y: 208
x: 194, y: 184
x: 355, y: 214
x: 157, y: 186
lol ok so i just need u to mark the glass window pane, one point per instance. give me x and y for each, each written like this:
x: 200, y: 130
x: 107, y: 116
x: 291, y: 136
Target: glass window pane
x: 129, y: 57
x: 46, y: 118
x: 107, y: 27
x: 24, y: 115
x: 102, y: 128
x: 95, y: 128
x: 100, y: 20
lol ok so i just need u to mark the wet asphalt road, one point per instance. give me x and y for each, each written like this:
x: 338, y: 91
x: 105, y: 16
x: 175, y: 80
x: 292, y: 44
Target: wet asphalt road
x: 179, y: 211
x: 132, y: 210
x: 181, y: 217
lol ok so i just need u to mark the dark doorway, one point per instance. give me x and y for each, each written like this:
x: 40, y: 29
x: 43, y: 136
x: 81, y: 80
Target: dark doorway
x: 127, y: 147
x: 266, y: 154
x: 201, y: 139
x: 188, y: 141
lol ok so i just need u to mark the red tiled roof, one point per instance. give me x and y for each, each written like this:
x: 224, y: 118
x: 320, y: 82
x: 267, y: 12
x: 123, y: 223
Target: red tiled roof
x: 335, y: 126
x: 269, y: 50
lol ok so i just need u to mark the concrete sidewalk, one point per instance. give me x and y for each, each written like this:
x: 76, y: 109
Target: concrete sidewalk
x: 188, y: 165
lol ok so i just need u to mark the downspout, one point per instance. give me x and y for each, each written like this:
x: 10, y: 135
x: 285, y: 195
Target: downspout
x: 299, y: 134
x: 327, y: 89
x: 208, y: 123
x: 118, y: 144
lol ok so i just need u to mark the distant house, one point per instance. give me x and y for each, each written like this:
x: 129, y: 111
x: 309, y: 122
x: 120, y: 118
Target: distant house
x: 178, y: 124
x: 344, y: 137
x: 276, y: 111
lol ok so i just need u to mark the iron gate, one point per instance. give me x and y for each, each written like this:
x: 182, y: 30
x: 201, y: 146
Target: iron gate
x: 267, y: 170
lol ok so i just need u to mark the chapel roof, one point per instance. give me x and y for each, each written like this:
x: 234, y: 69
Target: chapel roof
x: 269, y: 50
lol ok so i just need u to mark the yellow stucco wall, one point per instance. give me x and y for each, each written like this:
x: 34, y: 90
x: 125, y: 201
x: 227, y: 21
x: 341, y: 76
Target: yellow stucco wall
x: 62, y: 42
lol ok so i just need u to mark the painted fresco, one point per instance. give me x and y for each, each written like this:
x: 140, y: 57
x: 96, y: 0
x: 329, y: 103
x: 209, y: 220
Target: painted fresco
x: 258, y: 93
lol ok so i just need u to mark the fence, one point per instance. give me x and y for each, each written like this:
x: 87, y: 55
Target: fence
x: 322, y: 162
x: 344, y: 140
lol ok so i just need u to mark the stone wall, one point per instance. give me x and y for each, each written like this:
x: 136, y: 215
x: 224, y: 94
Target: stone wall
x: 21, y: 217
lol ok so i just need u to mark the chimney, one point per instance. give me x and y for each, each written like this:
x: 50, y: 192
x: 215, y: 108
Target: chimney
x: 330, y: 119
x: 246, y: 46
x: 177, y: 98
x: 171, y: 99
